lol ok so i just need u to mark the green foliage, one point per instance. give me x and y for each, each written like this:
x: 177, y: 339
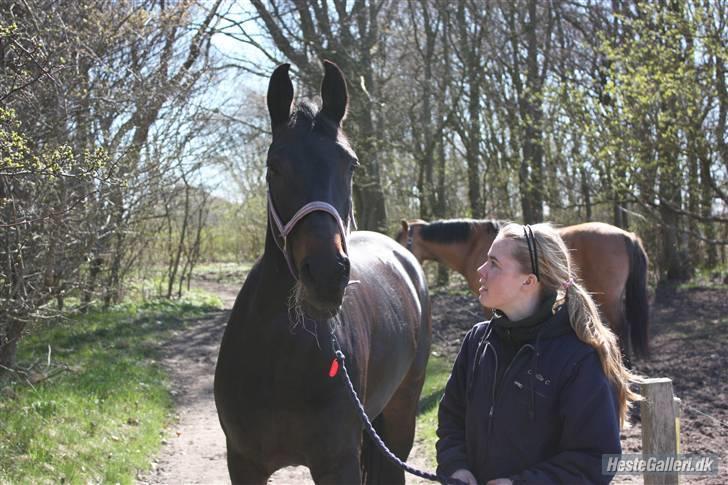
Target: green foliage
x: 235, y: 232
x: 19, y: 157
x: 101, y: 419
x: 7, y: 30
x: 642, y: 140
x: 15, y: 151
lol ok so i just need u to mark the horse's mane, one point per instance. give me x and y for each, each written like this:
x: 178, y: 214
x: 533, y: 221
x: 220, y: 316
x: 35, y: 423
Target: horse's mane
x: 456, y: 230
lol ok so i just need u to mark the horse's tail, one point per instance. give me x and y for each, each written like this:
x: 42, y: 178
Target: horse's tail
x: 637, y: 309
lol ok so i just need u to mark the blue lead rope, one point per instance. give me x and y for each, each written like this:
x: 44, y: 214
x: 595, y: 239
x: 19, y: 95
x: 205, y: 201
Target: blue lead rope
x: 372, y: 432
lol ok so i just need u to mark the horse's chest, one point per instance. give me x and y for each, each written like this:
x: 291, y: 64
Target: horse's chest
x: 280, y: 386
x: 279, y: 421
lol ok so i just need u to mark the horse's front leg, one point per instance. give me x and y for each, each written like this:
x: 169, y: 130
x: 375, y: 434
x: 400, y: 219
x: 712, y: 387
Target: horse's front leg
x: 340, y: 469
x: 244, y: 470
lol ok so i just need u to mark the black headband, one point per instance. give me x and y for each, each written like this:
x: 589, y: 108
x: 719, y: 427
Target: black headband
x: 532, y: 250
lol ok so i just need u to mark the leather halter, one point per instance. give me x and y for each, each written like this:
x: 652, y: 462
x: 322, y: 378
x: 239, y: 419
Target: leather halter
x: 284, y: 230
x: 410, y: 237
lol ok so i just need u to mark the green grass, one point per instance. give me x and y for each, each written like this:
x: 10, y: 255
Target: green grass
x: 438, y: 370
x: 102, y: 419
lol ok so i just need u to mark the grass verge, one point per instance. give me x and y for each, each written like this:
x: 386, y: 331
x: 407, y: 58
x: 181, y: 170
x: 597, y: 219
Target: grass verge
x: 101, y: 418
x: 438, y: 370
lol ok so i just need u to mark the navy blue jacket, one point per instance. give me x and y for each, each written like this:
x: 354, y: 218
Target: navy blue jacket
x: 550, y: 419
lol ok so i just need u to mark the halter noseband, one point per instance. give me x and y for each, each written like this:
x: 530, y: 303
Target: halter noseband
x: 284, y: 230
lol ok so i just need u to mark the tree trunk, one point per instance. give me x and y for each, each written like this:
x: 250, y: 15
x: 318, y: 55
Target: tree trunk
x: 693, y: 197
x: 674, y: 265
x: 473, y: 147
x: 706, y: 204
x: 174, y: 267
x: 532, y: 119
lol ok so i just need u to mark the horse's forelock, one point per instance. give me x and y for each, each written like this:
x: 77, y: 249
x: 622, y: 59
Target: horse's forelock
x: 308, y: 117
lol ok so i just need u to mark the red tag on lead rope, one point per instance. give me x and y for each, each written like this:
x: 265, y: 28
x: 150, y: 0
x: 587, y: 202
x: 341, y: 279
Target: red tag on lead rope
x: 334, y: 368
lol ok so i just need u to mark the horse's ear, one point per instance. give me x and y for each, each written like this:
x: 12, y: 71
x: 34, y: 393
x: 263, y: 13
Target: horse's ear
x: 333, y: 93
x: 405, y: 226
x: 280, y: 95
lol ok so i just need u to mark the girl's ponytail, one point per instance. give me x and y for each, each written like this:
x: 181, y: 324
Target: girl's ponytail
x: 587, y: 325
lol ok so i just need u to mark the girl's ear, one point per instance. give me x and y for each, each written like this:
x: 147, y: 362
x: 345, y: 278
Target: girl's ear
x: 530, y: 280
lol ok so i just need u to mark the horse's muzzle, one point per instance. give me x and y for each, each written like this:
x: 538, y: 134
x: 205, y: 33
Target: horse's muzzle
x: 324, y: 285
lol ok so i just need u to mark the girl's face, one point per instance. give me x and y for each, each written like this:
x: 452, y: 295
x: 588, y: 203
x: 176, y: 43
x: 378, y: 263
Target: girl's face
x: 501, y: 278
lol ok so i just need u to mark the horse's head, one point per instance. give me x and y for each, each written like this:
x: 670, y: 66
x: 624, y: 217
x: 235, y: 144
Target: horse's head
x: 310, y: 166
x: 410, y: 236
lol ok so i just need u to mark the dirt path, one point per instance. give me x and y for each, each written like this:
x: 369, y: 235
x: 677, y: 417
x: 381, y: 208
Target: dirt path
x: 194, y: 447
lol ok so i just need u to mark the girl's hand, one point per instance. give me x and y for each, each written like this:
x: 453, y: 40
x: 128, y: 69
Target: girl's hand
x: 465, y: 476
x: 500, y: 481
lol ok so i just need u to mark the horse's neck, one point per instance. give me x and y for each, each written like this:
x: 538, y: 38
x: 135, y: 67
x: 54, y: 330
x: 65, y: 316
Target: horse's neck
x: 276, y: 279
x: 451, y: 255
x: 464, y: 257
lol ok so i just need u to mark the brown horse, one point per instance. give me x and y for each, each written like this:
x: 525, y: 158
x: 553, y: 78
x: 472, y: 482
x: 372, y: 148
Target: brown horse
x: 276, y: 401
x: 612, y: 264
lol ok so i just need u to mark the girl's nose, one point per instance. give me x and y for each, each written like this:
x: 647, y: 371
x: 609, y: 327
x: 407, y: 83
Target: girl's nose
x: 482, y: 270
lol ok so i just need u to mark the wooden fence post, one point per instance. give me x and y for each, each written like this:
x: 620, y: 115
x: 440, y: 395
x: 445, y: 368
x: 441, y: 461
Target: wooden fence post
x: 660, y: 414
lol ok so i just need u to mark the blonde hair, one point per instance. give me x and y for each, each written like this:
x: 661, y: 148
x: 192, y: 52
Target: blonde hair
x: 556, y: 274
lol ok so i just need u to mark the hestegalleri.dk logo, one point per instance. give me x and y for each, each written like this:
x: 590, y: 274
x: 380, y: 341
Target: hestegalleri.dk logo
x: 630, y: 464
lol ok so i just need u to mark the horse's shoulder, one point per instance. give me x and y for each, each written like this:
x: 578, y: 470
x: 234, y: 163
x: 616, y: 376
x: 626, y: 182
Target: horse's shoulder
x: 372, y: 251
x: 371, y: 237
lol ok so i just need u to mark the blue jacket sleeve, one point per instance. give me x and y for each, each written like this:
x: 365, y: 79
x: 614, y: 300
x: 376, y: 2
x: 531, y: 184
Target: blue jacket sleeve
x: 590, y: 428
x: 451, y: 451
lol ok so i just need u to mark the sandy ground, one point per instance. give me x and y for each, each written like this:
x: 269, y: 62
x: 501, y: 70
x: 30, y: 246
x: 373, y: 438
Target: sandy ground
x: 689, y: 338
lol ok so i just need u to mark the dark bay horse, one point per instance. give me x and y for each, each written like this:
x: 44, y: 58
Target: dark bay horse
x: 612, y: 264
x: 276, y: 401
